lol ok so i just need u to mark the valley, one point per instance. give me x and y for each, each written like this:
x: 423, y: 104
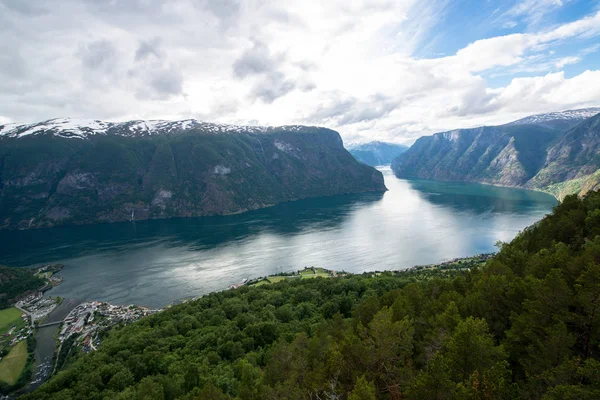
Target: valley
x: 159, y: 262
x: 376, y: 153
x: 299, y: 200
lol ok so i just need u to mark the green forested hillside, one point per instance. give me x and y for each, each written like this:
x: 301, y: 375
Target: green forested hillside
x: 525, y: 326
x: 50, y: 177
x: 14, y: 282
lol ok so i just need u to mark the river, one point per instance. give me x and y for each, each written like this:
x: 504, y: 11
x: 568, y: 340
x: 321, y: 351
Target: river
x: 45, y: 342
x: 154, y: 263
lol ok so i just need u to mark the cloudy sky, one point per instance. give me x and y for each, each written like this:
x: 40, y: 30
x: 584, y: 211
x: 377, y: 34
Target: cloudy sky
x: 373, y: 70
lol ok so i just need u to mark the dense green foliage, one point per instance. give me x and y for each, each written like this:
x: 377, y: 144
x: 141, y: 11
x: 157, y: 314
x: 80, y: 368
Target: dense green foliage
x: 15, y: 282
x: 526, y: 325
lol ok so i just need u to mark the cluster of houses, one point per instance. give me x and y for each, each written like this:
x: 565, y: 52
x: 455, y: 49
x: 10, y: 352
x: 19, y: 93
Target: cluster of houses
x: 37, y: 306
x: 90, y: 318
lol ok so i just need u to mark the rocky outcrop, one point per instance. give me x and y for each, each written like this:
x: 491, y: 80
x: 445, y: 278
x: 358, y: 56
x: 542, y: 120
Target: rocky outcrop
x: 57, y: 173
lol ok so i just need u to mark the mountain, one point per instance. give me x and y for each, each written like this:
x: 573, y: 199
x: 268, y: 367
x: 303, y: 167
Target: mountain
x: 376, y: 153
x: 68, y: 171
x: 560, y: 120
x: 573, y: 160
x: 556, y: 152
x: 522, y: 325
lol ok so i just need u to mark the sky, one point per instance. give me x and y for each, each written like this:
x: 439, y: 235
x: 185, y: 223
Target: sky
x: 390, y: 70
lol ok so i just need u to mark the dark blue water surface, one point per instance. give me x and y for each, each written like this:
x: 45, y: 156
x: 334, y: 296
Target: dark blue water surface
x: 154, y: 263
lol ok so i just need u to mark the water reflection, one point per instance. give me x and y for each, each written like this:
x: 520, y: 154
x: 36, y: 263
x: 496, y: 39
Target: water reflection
x: 23, y: 248
x: 156, y: 262
x: 479, y: 198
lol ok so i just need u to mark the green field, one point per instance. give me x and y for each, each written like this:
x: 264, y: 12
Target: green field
x: 43, y: 275
x: 309, y: 273
x: 12, y: 365
x: 304, y: 274
x: 275, y: 279
x: 8, y: 318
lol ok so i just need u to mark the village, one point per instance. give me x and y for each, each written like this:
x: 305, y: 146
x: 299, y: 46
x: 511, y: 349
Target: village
x: 88, y: 320
x: 37, y: 307
x: 81, y: 330
x: 30, y: 311
x: 85, y: 321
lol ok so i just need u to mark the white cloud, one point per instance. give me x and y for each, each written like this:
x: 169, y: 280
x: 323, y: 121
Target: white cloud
x: 566, y: 61
x: 347, y: 65
x: 508, y: 50
x: 533, y: 11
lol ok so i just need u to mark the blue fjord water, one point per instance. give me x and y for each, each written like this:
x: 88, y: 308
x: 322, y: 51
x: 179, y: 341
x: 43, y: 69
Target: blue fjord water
x: 154, y: 263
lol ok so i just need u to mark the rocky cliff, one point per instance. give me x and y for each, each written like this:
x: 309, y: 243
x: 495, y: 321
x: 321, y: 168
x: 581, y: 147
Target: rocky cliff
x: 557, y: 153
x: 77, y: 172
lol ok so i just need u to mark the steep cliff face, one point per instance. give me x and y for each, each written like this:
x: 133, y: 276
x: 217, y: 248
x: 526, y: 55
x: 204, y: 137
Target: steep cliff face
x: 534, y: 153
x: 72, y: 172
x: 503, y: 155
x: 575, y: 155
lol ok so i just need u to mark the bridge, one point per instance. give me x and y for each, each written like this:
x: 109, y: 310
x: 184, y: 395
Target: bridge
x: 50, y: 324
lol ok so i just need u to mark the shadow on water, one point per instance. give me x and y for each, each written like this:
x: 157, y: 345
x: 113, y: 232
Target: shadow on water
x: 24, y: 248
x: 479, y: 198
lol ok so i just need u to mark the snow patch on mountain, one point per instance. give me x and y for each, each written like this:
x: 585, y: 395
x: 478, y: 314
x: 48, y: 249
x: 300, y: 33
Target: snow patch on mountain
x: 64, y: 127
x: 82, y: 128
x: 568, y: 115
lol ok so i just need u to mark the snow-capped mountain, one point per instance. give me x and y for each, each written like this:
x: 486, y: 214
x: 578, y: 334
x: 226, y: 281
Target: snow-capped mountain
x: 83, y: 128
x: 560, y: 117
x: 67, y: 171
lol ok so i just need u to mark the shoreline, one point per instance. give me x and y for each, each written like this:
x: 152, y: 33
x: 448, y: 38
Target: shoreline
x: 458, y: 264
x: 65, y: 317
x: 225, y: 214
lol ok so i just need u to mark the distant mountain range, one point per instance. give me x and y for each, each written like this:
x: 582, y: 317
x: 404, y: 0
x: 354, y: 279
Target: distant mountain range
x: 556, y: 152
x: 376, y: 153
x: 67, y: 171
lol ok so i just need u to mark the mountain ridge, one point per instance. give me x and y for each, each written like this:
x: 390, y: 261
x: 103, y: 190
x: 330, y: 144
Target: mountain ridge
x: 519, y: 154
x: 553, y: 119
x: 83, y: 128
x: 53, y: 175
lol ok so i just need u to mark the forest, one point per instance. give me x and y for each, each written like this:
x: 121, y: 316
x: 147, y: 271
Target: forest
x: 15, y: 282
x: 523, y: 326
